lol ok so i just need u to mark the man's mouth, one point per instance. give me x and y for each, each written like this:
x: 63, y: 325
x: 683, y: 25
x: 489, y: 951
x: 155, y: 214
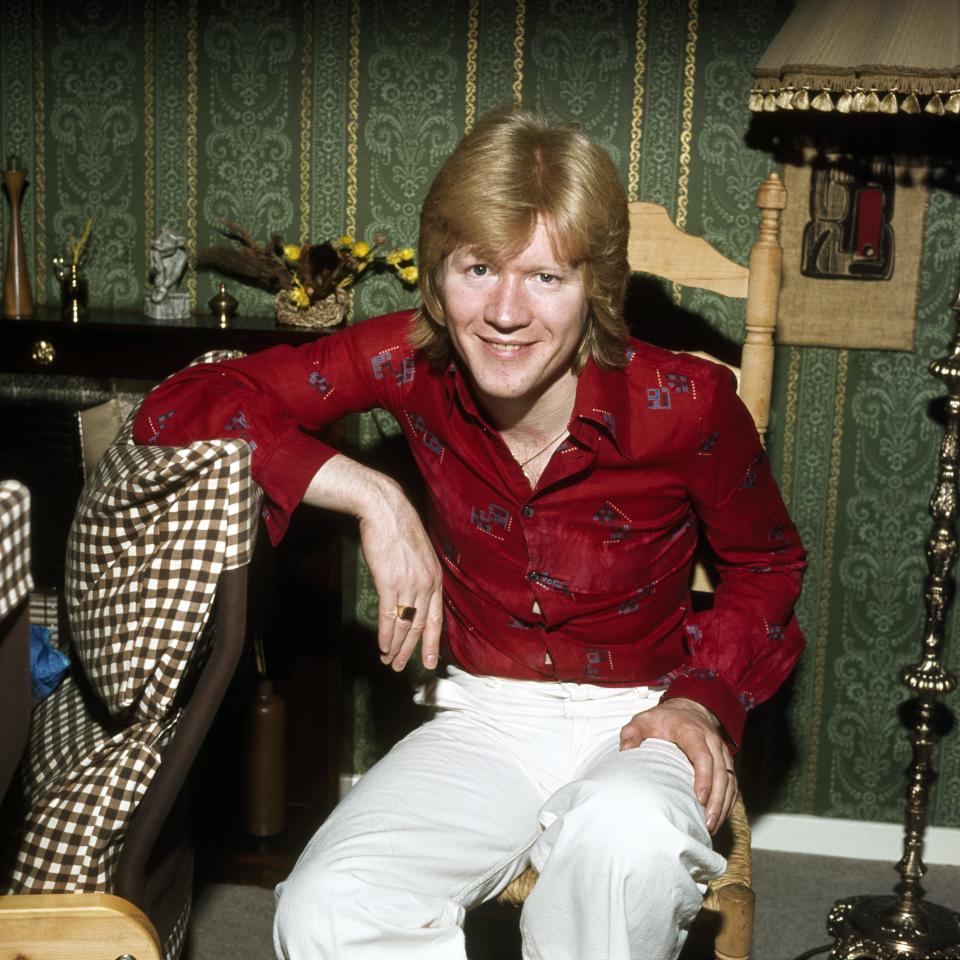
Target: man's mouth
x: 505, y: 349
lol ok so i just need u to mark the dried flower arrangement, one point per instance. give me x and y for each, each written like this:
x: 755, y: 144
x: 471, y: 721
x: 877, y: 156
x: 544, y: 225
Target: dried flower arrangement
x: 77, y: 249
x: 310, y: 280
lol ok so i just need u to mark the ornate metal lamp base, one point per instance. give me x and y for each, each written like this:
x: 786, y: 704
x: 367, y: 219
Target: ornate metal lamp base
x: 877, y: 928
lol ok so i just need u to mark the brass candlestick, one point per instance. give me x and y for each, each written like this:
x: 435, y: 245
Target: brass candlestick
x: 17, y: 301
x: 904, y: 925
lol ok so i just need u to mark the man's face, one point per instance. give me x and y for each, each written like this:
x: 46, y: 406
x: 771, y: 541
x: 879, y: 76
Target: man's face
x: 516, y: 325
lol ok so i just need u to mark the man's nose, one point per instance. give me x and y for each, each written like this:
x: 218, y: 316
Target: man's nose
x: 506, y: 306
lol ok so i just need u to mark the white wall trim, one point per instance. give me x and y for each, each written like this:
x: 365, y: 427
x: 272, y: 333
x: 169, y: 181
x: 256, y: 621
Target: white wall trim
x: 799, y: 833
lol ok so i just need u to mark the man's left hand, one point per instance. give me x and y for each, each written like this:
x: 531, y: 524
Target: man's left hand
x: 695, y: 730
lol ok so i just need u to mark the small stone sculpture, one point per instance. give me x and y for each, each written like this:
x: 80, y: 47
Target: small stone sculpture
x: 168, y: 260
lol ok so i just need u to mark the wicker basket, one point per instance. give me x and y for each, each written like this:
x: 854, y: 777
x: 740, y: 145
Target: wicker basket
x: 324, y: 314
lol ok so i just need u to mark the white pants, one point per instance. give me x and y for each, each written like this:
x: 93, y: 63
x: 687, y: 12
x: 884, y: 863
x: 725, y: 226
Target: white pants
x: 507, y: 773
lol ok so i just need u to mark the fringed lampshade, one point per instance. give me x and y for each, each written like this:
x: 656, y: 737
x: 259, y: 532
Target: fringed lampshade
x: 863, y: 56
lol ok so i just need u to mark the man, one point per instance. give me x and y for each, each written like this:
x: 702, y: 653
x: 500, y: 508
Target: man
x: 585, y: 716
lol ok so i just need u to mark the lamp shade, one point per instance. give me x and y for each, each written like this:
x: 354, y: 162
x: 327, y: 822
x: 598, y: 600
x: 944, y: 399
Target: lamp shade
x: 863, y: 56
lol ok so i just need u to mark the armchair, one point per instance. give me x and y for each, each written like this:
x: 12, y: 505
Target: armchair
x: 156, y: 600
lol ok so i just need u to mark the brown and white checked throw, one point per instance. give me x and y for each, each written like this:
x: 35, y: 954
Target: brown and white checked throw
x: 154, y: 529
x: 15, y: 579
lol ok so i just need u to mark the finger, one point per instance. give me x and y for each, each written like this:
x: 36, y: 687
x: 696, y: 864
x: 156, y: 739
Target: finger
x: 410, y: 638
x: 386, y: 623
x: 702, y: 759
x: 716, y: 806
x: 404, y: 636
x: 731, y: 795
x: 430, y: 641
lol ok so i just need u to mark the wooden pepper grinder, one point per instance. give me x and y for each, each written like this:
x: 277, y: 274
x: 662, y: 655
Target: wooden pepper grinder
x: 17, y: 301
x: 264, y: 793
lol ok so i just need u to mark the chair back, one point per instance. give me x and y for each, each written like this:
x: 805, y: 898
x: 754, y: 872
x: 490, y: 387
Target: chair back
x: 658, y: 247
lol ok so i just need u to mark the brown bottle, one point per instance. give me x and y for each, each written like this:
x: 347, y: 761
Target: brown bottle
x: 264, y: 795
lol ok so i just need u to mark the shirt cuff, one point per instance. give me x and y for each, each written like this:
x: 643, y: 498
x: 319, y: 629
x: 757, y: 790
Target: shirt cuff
x: 285, y: 477
x: 717, y: 696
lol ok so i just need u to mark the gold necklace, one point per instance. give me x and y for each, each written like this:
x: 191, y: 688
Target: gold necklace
x: 542, y: 450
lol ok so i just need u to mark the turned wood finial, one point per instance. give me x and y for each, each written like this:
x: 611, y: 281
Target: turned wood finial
x: 762, y: 300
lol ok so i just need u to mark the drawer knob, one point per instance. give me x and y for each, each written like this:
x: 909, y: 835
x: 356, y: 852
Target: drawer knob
x: 43, y: 353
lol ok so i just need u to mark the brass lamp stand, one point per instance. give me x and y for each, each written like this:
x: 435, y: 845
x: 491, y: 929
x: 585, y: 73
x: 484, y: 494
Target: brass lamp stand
x: 904, y: 925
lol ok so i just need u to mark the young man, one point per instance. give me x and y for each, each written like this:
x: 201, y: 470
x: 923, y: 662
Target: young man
x: 585, y: 716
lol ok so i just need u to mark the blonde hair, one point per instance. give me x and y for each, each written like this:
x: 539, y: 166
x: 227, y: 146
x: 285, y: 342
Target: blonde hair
x: 511, y: 169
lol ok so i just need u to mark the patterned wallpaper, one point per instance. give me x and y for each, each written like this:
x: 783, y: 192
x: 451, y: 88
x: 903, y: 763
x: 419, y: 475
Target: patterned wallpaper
x: 313, y: 119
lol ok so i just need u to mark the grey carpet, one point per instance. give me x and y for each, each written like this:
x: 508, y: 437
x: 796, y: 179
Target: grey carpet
x: 794, y: 895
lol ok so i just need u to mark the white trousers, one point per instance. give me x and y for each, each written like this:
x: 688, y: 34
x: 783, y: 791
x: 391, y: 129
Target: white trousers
x: 507, y: 773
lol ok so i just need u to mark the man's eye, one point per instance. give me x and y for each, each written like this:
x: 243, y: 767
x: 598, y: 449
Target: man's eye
x: 547, y: 277
x: 479, y: 269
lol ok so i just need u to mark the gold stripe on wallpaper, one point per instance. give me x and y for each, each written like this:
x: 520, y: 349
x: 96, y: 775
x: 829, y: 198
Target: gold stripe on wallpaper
x: 636, y: 110
x: 518, y: 40
x: 40, y: 139
x: 192, y: 158
x: 470, y: 78
x: 149, y: 124
x: 306, y: 115
x: 790, y: 424
x: 353, y: 114
x: 686, y: 126
x: 826, y: 580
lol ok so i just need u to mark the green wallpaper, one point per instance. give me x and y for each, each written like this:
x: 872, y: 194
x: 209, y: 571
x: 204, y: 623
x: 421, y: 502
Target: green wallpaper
x: 315, y: 119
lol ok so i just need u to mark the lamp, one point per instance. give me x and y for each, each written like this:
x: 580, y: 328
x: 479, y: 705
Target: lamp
x: 898, y: 60
x: 852, y: 56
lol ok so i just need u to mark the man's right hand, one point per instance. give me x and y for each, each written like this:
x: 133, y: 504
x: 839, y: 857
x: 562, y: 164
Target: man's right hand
x: 398, y: 552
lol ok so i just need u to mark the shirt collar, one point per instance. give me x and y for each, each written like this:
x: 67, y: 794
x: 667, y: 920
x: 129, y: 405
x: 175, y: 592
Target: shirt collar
x: 602, y: 401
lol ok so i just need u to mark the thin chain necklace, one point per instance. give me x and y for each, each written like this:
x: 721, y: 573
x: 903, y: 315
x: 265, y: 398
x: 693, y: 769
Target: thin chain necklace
x: 542, y: 450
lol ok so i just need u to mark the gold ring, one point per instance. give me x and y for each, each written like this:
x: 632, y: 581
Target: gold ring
x: 406, y: 613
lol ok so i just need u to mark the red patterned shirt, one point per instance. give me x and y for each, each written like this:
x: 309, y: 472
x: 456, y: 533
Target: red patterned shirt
x: 583, y: 579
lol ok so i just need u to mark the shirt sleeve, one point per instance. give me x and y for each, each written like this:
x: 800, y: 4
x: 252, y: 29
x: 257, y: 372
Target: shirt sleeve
x: 742, y: 649
x: 276, y: 400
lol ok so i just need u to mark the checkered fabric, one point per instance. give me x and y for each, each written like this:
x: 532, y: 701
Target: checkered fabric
x: 153, y: 531
x: 15, y: 579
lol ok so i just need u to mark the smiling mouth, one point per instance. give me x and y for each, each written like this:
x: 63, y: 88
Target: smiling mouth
x: 505, y: 349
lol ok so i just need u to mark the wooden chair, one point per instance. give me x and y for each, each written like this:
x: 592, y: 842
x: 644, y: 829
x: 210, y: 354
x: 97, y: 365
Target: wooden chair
x: 660, y: 248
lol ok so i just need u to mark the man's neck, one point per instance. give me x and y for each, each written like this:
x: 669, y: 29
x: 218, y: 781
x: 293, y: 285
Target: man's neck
x: 545, y: 416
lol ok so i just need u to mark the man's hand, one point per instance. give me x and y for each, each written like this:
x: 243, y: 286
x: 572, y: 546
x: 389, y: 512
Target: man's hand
x: 694, y: 729
x: 406, y: 573
x: 398, y: 552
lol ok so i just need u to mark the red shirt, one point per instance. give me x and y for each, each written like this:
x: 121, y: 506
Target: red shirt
x: 603, y: 545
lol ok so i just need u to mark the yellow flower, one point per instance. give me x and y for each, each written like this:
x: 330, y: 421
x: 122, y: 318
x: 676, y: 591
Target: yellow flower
x: 406, y: 253
x: 408, y: 274
x: 394, y: 257
x: 361, y: 248
x: 345, y: 241
x: 298, y: 295
x: 291, y: 253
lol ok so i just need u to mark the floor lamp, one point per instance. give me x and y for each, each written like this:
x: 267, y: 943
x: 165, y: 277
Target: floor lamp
x: 848, y: 59
x: 904, y: 926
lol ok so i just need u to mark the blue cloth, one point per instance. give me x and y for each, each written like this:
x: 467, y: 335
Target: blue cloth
x: 47, y: 664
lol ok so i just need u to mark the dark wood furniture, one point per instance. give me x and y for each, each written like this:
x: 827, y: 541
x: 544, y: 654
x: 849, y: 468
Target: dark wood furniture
x: 295, y: 590
x: 125, y: 344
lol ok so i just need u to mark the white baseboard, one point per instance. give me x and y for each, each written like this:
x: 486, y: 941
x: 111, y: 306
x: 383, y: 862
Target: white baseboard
x: 829, y: 837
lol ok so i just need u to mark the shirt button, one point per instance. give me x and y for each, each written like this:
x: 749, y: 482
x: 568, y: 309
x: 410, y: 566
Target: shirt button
x: 533, y: 575
x: 527, y: 511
